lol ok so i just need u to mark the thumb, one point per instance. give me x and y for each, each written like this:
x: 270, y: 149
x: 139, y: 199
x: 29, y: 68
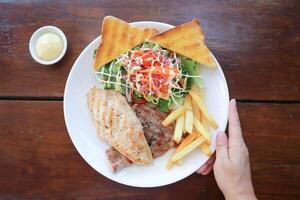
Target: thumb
x: 222, y: 147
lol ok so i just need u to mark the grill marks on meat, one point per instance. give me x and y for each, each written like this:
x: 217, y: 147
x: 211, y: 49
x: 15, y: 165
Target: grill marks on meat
x: 159, y: 138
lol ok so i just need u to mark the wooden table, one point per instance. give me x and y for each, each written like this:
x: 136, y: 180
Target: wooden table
x: 256, y: 42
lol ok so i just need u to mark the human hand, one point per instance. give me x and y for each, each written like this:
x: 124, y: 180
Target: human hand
x: 232, y: 167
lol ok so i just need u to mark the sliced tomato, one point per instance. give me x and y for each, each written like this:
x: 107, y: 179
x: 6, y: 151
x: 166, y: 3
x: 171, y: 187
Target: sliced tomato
x: 157, y: 64
x: 147, y: 59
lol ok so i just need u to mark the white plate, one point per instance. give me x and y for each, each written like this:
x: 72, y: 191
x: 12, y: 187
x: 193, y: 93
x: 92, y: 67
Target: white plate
x: 83, y: 134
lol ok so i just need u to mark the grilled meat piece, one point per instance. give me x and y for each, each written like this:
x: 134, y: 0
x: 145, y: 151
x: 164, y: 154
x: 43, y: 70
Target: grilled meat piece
x: 159, y: 138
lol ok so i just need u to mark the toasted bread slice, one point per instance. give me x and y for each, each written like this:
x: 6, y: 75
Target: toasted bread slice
x: 118, y: 37
x: 188, y: 40
x: 117, y: 124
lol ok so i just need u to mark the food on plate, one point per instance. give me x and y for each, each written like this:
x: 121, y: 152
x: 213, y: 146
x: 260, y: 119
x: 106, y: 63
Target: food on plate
x: 150, y: 74
x: 187, y: 140
x: 189, y: 116
x: 173, y: 116
x: 117, y: 124
x: 200, y: 103
x: 200, y: 136
x: 199, y: 127
x: 186, y: 150
x: 158, y: 76
x: 206, y: 149
x: 188, y: 40
x: 179, y: 129
x: 117, y: 38
x: 158, y: 137
x: 117, y: 160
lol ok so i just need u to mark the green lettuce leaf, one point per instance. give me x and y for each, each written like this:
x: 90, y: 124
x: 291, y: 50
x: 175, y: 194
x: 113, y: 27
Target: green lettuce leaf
x: 192, y: 68
x: 164, y: 104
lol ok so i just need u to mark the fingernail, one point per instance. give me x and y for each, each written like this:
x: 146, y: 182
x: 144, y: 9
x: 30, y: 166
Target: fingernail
x: 233, y: 100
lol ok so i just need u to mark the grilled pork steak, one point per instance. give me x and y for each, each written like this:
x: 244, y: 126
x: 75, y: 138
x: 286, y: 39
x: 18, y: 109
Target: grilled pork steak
x: 117, y: 160
x: 159, y: 138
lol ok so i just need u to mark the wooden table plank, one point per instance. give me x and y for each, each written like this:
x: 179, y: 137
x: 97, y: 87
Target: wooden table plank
x: 272, y: 136
x: 38, y: 160
x: 256, y: 42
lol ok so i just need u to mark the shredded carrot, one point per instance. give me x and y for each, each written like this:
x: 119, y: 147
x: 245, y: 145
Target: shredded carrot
x: 155, y: 72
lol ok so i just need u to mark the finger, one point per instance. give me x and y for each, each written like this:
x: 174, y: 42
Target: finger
x: 211, y: 160
x: 202, y: 169
x: 222, y: 148
x: 207, y: 171
x: 207, y: 165
x: 235, y: 131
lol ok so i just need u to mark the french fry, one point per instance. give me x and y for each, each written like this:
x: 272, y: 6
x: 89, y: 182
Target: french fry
x: 196, y: 110
x: 170, y: 164
x: 186, y: 141
x: 179, y: 162
x: 206, y: 149
x: 186, y: 150
x: 201, y: 105
x: 202, y: 93
x: 188, y: 103
x: 173, y: 116
x: 188, y: 114
x: 189, y: 118
x: 199, y: 127
x: 196, y: 89
x: 178, y: 129
x: 204, y: 122
x: 184, y: 130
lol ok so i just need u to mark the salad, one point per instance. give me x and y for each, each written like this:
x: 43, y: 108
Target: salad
x: 150, y: 74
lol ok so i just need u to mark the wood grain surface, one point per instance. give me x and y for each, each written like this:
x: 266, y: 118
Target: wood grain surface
x: 38, y: 160
x: 256, y: 42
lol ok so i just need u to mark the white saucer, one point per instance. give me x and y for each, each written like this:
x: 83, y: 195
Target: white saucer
x: 37, y: 34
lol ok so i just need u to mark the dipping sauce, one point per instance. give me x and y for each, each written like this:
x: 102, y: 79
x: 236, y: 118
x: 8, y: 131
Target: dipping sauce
x: 48, y: 46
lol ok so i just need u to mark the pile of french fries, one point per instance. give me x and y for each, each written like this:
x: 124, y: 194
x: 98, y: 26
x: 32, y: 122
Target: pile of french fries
x: 192, y: 118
